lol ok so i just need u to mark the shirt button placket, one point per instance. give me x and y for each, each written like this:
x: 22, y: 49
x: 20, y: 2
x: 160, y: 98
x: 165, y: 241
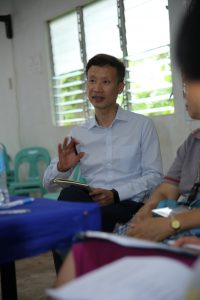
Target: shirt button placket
x: 109, y: 154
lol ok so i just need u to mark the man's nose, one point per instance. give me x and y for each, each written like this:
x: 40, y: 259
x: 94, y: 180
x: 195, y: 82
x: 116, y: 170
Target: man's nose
x: 98, y: 86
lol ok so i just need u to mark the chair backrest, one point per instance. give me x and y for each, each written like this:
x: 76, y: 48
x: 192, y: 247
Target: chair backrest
x: 33, y: 158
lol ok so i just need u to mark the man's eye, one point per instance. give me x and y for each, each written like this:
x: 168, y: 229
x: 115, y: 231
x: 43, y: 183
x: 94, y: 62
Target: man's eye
x: 92, y: 80
x: 106, y: 81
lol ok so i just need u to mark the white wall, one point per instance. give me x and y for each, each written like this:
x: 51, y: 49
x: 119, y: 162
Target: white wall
x: 31, y: 55
x: 33, y: 125
x: 8, y: 104
x: 173, y: 129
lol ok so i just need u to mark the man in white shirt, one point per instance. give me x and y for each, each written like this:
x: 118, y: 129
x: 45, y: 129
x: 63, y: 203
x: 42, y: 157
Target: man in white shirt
x: 118, y: 150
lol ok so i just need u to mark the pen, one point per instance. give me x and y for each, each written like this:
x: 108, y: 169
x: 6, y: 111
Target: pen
x: 75, y: 150
x: 14, y: 211
x: 17, y: 202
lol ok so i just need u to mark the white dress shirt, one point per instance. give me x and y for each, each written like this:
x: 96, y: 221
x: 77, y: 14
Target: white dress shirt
x: 124, y: 156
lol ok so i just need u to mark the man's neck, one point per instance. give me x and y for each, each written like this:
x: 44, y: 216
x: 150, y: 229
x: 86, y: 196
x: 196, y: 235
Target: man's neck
x: 105, y: 117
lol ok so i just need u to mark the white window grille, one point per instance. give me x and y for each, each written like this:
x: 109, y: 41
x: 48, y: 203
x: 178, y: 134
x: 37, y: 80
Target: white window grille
x: 148, y: 60
x: 68, y: 78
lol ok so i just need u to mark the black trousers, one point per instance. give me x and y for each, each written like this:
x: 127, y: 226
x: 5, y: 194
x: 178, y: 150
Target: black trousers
x: 110, y: 214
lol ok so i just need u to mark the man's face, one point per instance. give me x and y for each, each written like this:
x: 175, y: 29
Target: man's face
x: 192, y: 95
x: 103, y: 86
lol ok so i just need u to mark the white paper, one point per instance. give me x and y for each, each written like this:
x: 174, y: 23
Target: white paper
x: 167, y: 211
x: 130, y: 278
x: 163, y: 212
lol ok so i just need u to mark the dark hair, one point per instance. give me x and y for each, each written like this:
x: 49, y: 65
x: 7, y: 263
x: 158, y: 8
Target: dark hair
x: 188, y: 42
x: 102, y: 60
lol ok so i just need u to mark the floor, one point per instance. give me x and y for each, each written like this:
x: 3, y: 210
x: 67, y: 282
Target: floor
x: 34, y: 275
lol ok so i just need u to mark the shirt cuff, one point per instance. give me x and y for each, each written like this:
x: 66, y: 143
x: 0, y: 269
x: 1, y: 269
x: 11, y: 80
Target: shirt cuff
x: 124, y: 194
x: 57, y: 173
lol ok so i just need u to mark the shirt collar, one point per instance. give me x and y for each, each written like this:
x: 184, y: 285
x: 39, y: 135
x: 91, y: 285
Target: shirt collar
x: 196, y: 133
x: 120, y: 116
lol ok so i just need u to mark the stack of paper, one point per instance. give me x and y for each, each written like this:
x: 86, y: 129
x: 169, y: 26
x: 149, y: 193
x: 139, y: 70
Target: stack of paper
x: 130, y: 278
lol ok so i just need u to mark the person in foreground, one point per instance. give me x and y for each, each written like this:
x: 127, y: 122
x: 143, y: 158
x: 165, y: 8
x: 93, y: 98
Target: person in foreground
x: 86, y: 256
x: 182, y: 241
x: 118, y: 150
x: 183, y: 178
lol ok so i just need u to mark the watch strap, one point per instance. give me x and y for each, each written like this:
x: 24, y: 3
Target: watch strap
x: 115, y: 196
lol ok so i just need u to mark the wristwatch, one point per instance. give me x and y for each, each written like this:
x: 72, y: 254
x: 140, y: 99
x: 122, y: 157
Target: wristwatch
x: 175, y: 224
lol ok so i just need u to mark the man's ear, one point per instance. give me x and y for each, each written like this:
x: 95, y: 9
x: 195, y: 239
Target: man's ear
x: 121, y: 87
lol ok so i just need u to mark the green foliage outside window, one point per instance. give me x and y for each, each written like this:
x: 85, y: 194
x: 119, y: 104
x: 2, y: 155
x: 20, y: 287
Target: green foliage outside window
x: 150, y: 99
x: 69, y: 97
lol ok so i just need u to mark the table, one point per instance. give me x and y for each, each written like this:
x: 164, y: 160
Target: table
x: 48, y: 225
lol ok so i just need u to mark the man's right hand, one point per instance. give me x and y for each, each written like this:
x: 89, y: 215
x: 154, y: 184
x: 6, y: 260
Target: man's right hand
x: 68, y: 157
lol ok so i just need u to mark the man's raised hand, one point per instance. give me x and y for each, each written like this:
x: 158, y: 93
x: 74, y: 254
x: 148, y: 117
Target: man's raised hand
x: 67, y: 154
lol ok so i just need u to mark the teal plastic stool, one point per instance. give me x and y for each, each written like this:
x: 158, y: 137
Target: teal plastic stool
x: 52, y: 196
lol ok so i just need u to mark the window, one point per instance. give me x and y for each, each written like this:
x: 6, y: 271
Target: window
x: 108, y: 33
x: 136, y: 31
x: 148, y: 60
x: 100, y: 18
x: 68, y: 78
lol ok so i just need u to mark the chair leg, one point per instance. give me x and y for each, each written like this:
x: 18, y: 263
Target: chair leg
x: 8, y: 281
x: 57, y: 261
x: 59, y: 256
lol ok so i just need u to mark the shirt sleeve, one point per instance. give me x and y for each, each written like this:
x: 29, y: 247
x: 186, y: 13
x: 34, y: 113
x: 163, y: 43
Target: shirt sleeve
x: 51, y: 173
x: 151, y: 166
x: 173, y: 176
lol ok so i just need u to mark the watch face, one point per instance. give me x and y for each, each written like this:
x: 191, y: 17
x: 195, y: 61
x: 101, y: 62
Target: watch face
x: 175, y: 224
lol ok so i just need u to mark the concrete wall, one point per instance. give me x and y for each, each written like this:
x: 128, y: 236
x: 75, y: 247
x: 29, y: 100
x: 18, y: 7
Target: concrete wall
x: 9, y: 119
x: 25, y: 117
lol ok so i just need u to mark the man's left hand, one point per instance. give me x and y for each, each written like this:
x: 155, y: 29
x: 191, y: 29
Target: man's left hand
x: 102, y: 196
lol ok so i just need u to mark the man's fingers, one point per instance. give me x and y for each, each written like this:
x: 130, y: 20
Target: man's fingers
x: 81, y: 154
x: 69, y: 145
x: 75, y: 141
x: 65, y: 142
x: 95, y: 195
x: 95, y: 192
x: 59, y: 147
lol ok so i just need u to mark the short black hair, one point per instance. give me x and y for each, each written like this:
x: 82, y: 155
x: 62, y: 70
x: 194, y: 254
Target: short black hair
x: 102, y: 60
x: 188, y: 42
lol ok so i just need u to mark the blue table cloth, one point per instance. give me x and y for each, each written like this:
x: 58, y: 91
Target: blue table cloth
x: 49, y: 224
